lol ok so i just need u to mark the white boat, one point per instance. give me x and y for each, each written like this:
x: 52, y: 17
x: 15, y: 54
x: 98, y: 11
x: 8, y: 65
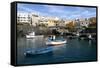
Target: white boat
x: 29, y: 37
x: 90, y: 37
x: 77, y: 34
x: 56, y: 42
x: 32, y: 35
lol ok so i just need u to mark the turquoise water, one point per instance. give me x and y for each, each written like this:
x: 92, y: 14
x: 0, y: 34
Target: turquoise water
x: 75, y: 50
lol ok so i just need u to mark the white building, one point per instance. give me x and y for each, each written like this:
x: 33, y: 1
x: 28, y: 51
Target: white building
x: 62, y: 23
x: 82, y: 22
x: 35, y: 19
x: 85, y: 22
x: 23, y: 18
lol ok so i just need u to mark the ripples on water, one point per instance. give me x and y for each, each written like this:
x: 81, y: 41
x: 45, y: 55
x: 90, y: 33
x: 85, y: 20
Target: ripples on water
x: 74, y: 50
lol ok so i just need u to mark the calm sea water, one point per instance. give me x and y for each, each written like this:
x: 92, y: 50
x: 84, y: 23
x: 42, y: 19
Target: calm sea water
x: 74, y: 50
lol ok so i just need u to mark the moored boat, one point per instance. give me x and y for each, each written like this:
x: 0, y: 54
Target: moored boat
x: 53, y: 41
x: 32, y: 35
x: 56, y: 42
x: 90, y: 37
x: 38, y: 51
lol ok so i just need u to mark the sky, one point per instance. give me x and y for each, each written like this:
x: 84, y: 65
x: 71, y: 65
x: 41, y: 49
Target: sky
x: 66, y: 12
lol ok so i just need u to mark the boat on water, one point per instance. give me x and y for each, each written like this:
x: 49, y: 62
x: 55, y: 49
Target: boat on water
x: 32, y: 35
x: 90, y: 37
x: 38, y: 51
x: 54, y: 41
x: 77, y: 34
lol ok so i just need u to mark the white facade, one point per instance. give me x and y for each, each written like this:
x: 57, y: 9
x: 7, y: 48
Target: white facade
x: 35, y: 19
x: 23, y: 18
x: 83, y: 22
x: 62, y: 23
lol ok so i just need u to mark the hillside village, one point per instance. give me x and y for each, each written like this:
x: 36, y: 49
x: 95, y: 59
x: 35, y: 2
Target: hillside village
x: 28, y: 22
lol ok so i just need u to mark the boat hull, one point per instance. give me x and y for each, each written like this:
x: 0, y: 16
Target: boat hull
x: 35, y: 54
x: 29, y: 37
x: 56, y: 42
x: 38, y: 51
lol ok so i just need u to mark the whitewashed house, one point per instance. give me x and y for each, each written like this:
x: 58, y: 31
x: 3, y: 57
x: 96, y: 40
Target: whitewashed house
x: 35, y: 19
x: 85, y: 22
x: 23, y: 18
x: 82, y: 22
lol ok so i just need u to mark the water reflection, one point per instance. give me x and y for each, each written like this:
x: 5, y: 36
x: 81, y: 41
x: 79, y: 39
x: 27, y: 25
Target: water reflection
x: 90, y: 42
x: 74, y: 50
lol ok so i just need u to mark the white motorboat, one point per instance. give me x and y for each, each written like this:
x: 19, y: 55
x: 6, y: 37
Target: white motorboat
x: 28, y: 36
x: 90, y: 37
x: 32, y: 35
x: 56, y: 42
x: 53, y: 41
x: 78, y: 34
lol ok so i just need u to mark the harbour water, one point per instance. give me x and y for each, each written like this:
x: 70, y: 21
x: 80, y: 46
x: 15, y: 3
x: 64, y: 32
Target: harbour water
x: 73, y: 51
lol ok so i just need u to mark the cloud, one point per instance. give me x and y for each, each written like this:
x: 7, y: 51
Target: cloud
x: 58, y: 11
x: 23, y: 8
x: 63, y: 12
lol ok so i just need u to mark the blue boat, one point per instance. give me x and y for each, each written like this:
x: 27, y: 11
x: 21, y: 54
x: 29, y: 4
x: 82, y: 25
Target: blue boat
x: 38, y: 51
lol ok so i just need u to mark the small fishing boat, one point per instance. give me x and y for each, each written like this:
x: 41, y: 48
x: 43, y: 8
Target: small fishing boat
x: 77, y: 34
x: 56, y: 42
x: 53, y: 41
x: 32, y: 35
x: 38, y: 51
x: 90, y: 37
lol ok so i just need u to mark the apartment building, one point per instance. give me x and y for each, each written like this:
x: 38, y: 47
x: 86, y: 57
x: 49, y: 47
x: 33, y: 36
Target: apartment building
x: 23, y: 18
x: 82, y: 22
x: 34, y: 19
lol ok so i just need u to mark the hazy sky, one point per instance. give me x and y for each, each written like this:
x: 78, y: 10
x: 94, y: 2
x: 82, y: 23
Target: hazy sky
x: 68, y: 12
